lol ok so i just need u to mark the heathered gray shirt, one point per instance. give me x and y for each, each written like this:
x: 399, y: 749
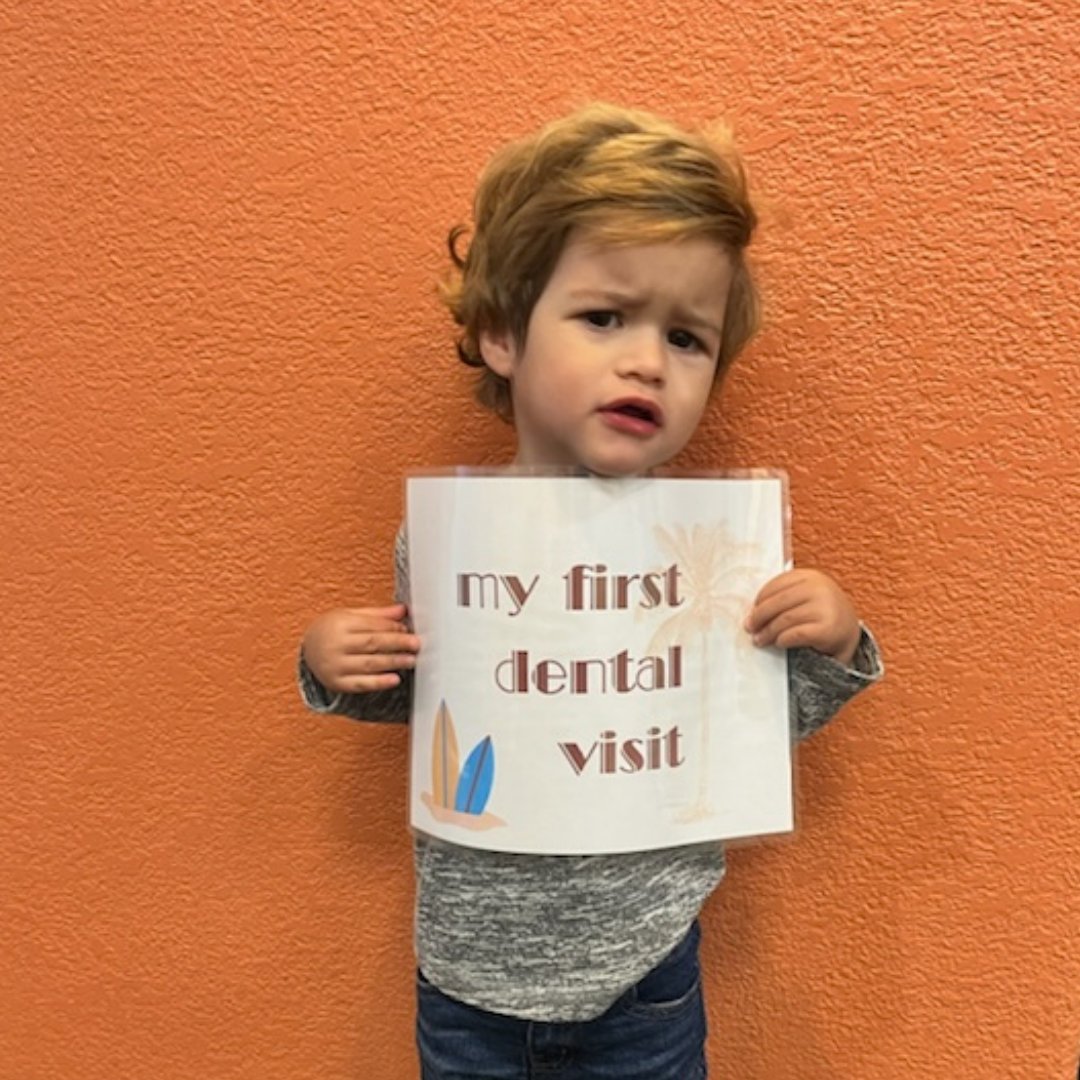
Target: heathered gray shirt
x: 560, y: 937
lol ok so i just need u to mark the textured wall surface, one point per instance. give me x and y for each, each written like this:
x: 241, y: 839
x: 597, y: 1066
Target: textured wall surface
x: 220, y: 346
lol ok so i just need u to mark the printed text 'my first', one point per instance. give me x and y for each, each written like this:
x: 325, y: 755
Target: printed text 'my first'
x: 588, y: 587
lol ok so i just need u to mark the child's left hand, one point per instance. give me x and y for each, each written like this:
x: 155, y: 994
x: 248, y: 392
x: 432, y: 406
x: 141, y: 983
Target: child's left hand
x: 808, y: 608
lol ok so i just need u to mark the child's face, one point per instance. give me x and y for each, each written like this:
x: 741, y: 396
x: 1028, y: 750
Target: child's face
x: 620, y: 355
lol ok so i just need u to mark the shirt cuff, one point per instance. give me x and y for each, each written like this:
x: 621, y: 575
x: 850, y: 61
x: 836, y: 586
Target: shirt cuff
x: 312, y: 692
x: 866, y: 665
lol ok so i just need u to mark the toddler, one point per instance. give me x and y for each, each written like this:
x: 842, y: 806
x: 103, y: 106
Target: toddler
x: 604, y: 293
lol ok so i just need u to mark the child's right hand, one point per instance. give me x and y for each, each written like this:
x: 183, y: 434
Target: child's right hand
x: 357, y: 650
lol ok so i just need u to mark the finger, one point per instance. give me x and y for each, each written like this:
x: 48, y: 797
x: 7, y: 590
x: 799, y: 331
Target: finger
x: 395, y: 610
x: 388, y: 642
x: 789, y: 619
x: 365, y: 624
x: 764, y: 611
x: 369, y: 627
x: 805, y: 634
x: 366, y: 684
x: 390, y: 612
x: 374, y: 664
x: 782, y: 583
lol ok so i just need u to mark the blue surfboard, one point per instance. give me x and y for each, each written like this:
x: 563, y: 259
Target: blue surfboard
x: 477, y: 776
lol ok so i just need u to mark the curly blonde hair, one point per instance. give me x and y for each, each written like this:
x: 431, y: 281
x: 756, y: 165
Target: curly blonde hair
x: 625, y: 177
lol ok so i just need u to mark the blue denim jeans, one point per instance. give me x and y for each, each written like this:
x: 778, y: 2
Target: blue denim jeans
x: 655, y: 1031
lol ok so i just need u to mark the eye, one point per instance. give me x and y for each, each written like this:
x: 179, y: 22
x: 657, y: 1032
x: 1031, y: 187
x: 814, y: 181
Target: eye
x: 602, y: 320
x: 684, y: 340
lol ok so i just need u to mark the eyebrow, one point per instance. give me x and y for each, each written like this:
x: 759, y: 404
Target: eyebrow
x: 633, y: 303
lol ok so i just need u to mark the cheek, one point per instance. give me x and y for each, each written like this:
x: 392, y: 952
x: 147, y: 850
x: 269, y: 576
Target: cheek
x: 538, y: 390
x: 555, y: 377
x: 698, y: 393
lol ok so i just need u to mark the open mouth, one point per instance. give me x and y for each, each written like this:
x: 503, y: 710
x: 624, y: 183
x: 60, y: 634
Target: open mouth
x: 637, y: 410
x: 635, y: 416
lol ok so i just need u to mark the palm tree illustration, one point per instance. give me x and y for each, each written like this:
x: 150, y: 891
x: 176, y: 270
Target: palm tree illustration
x: 719, y: 575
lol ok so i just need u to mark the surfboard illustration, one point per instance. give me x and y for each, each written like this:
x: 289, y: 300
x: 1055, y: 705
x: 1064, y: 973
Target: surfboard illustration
x: 474, y: 787
x: 444, y: 758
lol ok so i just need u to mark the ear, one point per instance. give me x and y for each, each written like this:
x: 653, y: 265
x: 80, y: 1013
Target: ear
x: 498, y: 351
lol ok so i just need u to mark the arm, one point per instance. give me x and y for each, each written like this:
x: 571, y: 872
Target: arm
x: 833, y: 656
x: 819, y: 687
x: 365, y: 656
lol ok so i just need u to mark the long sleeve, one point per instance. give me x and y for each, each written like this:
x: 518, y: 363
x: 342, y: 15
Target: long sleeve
x: 820, y: 686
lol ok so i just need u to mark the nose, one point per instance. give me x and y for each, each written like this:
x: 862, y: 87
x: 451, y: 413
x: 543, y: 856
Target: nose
x: 644, y: 359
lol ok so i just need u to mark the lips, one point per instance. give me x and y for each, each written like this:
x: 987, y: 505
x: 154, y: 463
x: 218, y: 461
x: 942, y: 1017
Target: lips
x: 633, y: 415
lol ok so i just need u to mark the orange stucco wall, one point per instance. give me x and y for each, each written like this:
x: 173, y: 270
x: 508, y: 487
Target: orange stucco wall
x: 219, y: 349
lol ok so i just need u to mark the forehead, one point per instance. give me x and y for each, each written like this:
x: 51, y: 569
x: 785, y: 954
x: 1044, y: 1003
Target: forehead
x: 695, y: 271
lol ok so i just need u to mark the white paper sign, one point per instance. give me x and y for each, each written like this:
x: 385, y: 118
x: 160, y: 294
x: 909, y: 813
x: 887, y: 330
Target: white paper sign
x: 585, y: 684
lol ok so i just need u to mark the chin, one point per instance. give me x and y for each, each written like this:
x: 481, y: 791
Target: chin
x: 614, y: 469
